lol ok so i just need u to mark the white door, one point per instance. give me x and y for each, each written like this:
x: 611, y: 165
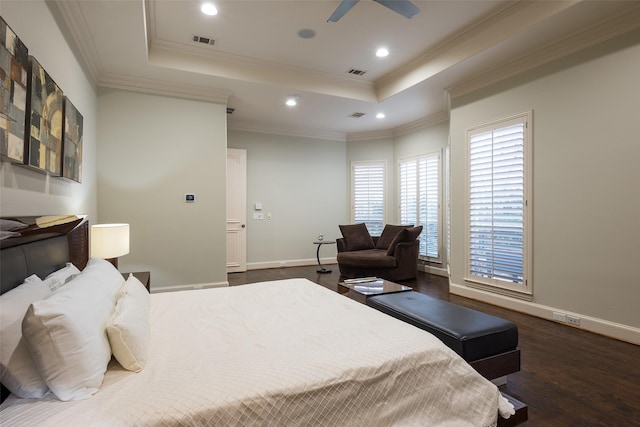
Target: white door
x: 236, y: 210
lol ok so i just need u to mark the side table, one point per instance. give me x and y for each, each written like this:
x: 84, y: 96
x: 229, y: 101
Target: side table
x: 321, y: 269
x: 143, y: 276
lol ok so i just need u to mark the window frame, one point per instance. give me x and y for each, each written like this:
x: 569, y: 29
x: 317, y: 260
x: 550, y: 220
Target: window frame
x: 524, y: 290
x: 417, y: 158
x: 369, y: 163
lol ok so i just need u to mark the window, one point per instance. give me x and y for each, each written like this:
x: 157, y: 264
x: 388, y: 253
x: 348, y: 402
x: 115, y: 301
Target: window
x: 420, y: 200
x: 498, y: 204
x: 367, y: 195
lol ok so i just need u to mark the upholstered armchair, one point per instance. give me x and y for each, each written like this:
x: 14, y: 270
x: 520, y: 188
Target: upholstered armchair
x: 392, y: 256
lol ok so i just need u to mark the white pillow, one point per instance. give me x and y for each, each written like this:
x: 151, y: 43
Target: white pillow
x: 61, y: 277
x: 67, y: 338
x: 18, y: 372
x: 129, y: 329
x: 107, y: 276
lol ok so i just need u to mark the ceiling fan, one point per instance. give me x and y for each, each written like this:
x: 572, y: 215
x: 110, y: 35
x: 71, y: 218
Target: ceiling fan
x: 403, y: 7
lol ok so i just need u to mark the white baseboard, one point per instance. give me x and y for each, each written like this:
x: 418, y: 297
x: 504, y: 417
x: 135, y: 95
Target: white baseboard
x: 599, y: 326
x: 156, y: 290
x: 289, y: 263
x: 438, y: 271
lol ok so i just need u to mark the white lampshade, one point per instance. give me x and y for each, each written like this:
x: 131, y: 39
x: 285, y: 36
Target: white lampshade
x: 109, y: 240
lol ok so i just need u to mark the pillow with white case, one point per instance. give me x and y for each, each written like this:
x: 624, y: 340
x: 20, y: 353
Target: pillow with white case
x: 18, y: 371
x: 128, y: 328
x: 106, y: 275
x: 61, y: 277
x: 67, y: 337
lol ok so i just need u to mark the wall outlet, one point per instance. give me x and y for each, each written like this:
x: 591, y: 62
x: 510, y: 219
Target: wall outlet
x: 283, y: 263
x: 560, y: 317
x: 572, y: 320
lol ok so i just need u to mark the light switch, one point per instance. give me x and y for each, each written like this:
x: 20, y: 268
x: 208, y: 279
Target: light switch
x: 258, y: 215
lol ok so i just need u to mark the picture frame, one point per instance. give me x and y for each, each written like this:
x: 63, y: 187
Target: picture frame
x: 72, y: 148
x: 45, y: 104
x: 14, y: 64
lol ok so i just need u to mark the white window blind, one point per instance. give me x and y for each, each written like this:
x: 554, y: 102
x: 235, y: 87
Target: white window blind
x: 367, y: 195
x: 498, y: 211
x: 420, y: 199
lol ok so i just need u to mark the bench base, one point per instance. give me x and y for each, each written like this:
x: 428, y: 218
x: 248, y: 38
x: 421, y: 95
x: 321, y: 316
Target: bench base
x: 499, y: 365
x: 521, y: 415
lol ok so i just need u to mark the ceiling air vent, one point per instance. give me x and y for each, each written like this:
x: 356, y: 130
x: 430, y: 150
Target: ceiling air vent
x: 356, y: 72
x: 357, y: 115
x: 203, y: 40
x: 230, y: 110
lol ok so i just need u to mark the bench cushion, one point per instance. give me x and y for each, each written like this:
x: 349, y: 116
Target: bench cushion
x: 472, y: 334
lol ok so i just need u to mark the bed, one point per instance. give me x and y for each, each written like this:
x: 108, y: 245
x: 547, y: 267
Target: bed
x: 286, y: 352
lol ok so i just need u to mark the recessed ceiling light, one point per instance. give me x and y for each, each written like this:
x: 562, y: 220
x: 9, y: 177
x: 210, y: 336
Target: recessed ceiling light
x: 209, y: 9
x: 382, y: 52
x: 292, y: 101
x: 380, y: 116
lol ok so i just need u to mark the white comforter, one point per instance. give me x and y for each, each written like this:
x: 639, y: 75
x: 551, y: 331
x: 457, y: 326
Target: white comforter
x: 283, y: 353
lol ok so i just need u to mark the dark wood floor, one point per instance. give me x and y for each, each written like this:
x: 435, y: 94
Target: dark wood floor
x: 569, y: 377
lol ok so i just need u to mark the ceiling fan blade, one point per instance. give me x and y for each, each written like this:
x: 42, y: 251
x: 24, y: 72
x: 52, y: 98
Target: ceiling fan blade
x: 403, y: 7
x: 344, y: 7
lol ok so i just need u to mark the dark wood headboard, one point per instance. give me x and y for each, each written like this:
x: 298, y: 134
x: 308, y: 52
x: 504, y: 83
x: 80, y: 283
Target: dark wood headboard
x: 43, y: 252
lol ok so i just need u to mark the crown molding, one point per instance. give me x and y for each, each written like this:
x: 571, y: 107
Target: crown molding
x: 599, y: 32
x: 478, y: 36
x: 370, y: 135
x: 166, y: 88
x: 240, y: 125
x: 427, y: 122
x: 79, y: 30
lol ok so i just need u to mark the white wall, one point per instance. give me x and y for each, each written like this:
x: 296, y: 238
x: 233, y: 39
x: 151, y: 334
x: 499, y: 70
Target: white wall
x: 302, y: 182
x: 151, y: 151
x: 27, y: 192
x: 585, y: 183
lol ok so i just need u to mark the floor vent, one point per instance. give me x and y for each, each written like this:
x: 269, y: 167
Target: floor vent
x: 356, y: 72
x: 357, y: 115
x: 203, y: 40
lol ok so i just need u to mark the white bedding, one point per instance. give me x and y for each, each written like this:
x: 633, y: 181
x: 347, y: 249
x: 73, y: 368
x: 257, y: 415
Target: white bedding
x: 283, y: 353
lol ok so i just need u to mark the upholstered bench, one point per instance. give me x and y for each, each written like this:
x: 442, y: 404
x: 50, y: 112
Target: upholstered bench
x: 487, y: 342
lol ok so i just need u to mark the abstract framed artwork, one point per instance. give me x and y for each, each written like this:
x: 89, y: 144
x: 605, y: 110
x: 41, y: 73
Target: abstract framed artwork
x: 72, y: 150
x: 14, y: 61
x: 45, y: 102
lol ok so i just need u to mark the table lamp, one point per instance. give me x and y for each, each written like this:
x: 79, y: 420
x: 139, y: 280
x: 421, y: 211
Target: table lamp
x: 109, y: 241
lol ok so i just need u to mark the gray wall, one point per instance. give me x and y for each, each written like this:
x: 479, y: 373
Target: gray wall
x: 151, y: 151
x: 302, y: 182
x: 27, y: 192
x: 585, y: 181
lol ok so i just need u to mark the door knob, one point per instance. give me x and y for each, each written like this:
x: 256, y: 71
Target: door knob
x: 243, y: 226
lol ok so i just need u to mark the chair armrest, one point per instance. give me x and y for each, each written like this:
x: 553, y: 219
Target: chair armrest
x: 407, y: 250
x: 341, y: 244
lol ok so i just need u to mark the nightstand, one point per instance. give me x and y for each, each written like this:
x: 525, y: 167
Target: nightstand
x: 143, y: 276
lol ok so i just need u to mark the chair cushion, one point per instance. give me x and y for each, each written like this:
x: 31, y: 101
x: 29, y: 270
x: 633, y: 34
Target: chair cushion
x: 357, y: 237
x: 388, y: 234
x: 367, y: 258
x: 405, y: 235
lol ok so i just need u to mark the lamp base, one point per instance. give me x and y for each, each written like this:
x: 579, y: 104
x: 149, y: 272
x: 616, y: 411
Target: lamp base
x: 113, y: 261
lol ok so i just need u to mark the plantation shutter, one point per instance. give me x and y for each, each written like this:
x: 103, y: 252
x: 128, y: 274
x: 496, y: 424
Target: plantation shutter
x: 419, y: 199
x: 368, y: 195
x: 497, y: 203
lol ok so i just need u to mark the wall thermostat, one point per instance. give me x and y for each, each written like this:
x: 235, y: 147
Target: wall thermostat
x: 189, y: 198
